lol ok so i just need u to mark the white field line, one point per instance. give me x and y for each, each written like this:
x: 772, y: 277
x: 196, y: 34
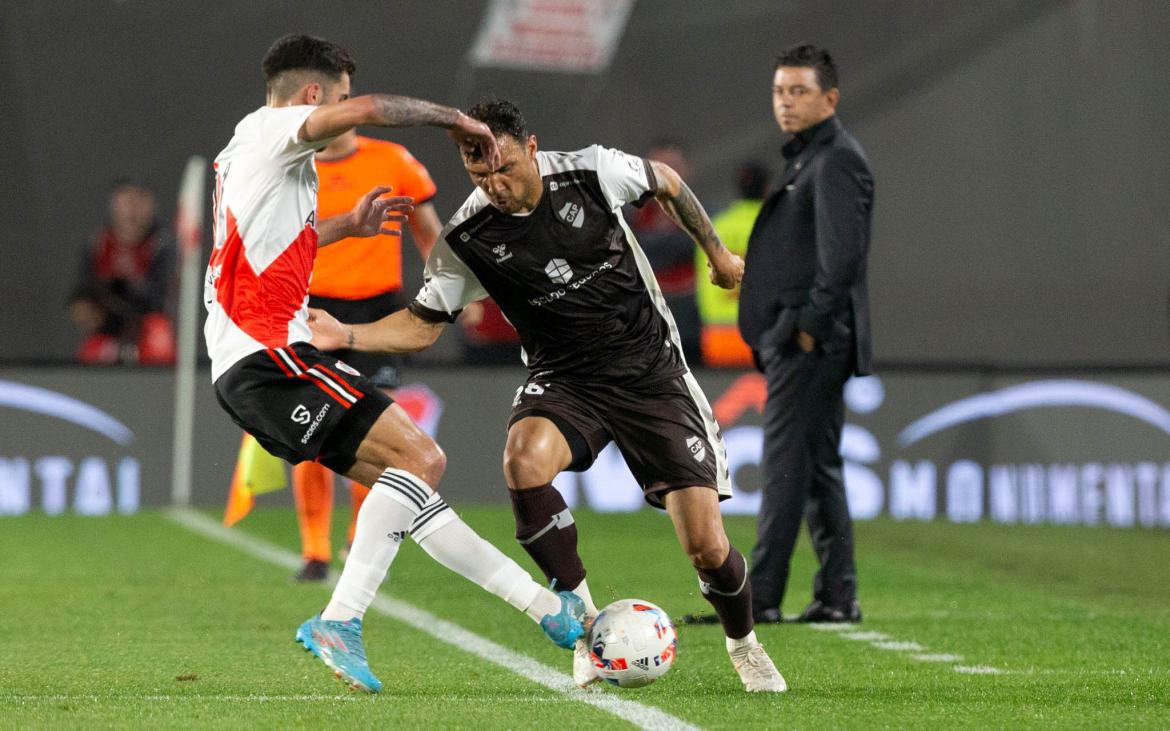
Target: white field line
x: 882, y: 641
x: 977, y: 670
x: 897, y: 646
x: 257, y: 698
x: 637, y: 714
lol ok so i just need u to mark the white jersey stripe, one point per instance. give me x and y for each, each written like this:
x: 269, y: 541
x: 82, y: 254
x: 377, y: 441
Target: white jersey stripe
x: 714, y: 438
x: 288, y: 361
x: 331, y: 384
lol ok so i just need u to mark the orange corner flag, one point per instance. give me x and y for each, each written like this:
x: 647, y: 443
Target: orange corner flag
x: 256, y: 472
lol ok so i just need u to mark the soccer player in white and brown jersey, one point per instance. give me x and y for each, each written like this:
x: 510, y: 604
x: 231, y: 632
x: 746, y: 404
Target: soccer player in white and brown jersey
x: 544, y: 236
x: 301, y: 404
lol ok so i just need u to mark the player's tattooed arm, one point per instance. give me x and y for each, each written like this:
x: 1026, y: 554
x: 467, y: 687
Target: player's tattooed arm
x: 680, y: 203
x: 400, y: 332
x: 391, y: 110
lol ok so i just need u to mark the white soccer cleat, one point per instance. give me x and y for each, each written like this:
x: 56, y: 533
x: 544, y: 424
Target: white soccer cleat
x: 756, y: 670
x: 584, y: 671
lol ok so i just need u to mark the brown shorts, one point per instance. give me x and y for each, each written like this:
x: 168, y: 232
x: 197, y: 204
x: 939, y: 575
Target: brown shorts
x: 665, y: 431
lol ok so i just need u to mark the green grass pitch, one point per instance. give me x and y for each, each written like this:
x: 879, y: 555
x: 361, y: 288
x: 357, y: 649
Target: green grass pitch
x: 138, y: 622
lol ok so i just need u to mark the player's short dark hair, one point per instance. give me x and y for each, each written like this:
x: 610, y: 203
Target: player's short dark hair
x: 810, y: 56
x: 502, y: 117
x: 296, y: 52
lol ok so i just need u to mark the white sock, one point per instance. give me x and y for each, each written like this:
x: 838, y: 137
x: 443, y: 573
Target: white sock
x: 384, y: 520
x: 451, y: 542
x: 748, y: 640
x: 582, y: 590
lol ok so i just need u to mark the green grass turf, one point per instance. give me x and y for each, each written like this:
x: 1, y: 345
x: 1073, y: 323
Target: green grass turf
x: 137, y: 622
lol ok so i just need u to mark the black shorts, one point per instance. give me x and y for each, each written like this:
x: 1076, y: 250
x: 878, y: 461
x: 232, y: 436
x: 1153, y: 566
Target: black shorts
x: 665, y: 431
x: 302, y: 404
x: 383, y: 369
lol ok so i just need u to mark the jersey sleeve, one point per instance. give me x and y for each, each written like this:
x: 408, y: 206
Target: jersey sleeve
x: 449, y: 286
x: 624, y: 178
x: 282, y: 130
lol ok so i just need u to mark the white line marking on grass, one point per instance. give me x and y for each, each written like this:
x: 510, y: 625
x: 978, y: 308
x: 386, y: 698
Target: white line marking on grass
x: 897, y: 646
x: 830, y: 626
x: 937, y: 657
x: 977, y: 670
x: 882, y: 641
x: 637, y: 714
x: 257, y: 698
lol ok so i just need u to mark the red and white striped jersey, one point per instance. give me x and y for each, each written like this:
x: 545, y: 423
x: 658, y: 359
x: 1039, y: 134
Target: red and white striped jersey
x: 265, y: 230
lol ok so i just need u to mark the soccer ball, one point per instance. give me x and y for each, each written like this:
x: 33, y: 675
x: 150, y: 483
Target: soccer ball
x: 632, y: 643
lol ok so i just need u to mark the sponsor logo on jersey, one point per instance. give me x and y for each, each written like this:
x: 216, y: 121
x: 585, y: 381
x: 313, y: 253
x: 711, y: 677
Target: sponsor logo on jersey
x: 698, y: 448
x: 316, y: 423
x: 556, y: 185
x: 557, y: 294
x: 398, y: 536
x: 301, y: 415
x: 558, y: 270
x: 573, y: 214
x: 502, y: 253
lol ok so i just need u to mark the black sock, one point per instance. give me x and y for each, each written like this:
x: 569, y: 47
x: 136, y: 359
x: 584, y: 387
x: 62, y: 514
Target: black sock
x: 730, y: 593
x: 545, y: 527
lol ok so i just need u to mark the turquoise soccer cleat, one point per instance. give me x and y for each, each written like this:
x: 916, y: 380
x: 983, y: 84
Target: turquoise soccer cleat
x: 564, y: 627
x: 339, y: 646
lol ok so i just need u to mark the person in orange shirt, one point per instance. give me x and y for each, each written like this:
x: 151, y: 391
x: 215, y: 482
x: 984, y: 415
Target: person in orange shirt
x: 357, y: 280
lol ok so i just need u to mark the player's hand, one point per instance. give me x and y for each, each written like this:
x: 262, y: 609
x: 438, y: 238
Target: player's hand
x: 726, y: 269
x: 374, y: 214
x: 473, y: 136
x: 328, y: 333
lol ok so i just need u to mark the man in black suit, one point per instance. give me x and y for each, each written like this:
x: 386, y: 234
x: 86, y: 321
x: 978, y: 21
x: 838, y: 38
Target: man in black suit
x: 804, y: 310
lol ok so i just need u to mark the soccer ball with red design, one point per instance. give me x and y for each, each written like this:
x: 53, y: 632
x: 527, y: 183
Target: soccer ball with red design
x: 632, y: 643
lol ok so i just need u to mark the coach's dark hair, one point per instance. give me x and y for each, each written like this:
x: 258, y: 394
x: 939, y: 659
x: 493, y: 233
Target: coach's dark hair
x: 810, y: 56
x: 304, y: 53
x: 502, y: 117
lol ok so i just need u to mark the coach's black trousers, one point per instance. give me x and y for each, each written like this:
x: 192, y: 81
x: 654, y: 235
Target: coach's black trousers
x: 802, y: 474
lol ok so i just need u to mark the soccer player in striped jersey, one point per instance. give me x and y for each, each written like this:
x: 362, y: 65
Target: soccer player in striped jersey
x: 544, y: 236
x: 301, y: 404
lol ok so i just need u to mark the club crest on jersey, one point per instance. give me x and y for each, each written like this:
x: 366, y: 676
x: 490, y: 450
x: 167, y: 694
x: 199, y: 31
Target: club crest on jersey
x: 572, y: 214
x: 558, y: 270
x: 502, y: 253
x: 698, y: 448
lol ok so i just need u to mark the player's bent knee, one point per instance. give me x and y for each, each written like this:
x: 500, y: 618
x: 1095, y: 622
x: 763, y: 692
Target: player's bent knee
x: 707, y: 551
x: 425, y: 459
x: 527, y: 468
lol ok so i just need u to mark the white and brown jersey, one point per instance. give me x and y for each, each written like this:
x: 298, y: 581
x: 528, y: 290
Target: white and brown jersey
x: 569, y: 275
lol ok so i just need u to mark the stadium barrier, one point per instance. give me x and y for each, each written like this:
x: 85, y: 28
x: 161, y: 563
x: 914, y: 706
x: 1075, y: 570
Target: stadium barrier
x: 951, y: 446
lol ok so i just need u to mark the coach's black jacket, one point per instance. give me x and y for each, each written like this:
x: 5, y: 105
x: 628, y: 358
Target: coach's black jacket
x: 806, y: 255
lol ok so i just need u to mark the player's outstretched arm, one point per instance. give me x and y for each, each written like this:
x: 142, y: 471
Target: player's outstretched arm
x: 388, y: 110
x: 684, y: 208
x: 400, y: 332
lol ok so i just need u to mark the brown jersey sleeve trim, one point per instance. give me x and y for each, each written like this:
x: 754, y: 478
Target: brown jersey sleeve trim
x: 426, y: 314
